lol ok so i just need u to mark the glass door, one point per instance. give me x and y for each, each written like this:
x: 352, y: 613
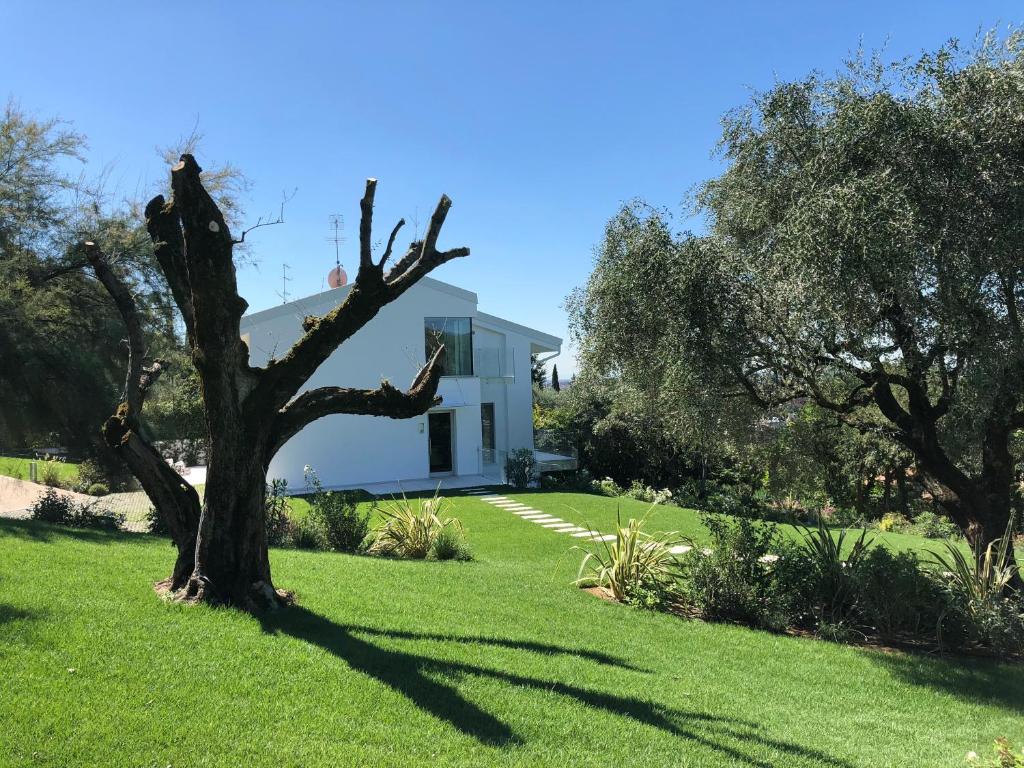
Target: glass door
x: 440, y: 441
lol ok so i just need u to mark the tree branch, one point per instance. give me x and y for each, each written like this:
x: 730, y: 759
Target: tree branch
x: 164, y: 227
x: 369, y: 293
x: 386, y: 400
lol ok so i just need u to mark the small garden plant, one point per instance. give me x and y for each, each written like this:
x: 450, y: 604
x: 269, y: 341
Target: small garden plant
x: 419, y: 528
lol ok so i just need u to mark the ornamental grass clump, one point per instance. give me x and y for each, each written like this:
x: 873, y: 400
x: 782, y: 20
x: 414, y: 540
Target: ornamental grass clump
x: 635, y: 568
x: 416, y: 530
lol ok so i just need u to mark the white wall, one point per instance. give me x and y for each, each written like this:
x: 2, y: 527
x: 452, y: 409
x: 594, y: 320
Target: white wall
x: 352, y: 450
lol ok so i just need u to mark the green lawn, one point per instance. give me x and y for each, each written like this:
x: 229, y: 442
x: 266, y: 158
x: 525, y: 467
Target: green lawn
x: 14, y: 467
x: 497, y: 662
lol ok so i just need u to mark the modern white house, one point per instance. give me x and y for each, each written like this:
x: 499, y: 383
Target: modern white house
x: 487, y: 398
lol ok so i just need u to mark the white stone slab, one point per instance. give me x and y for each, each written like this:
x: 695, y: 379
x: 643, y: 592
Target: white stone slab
x: 586, y: 534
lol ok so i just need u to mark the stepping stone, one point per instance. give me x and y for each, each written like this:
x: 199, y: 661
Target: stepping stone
x: 549, y: 521
x: 522, y: 512
x: 558, y: 525
x: 608, y: 537
x: 541, y: 519
x: 574, y: 530
x: 493, y: 499
x: 586, y: 534
x: 507, y: 504
x: 682, y: 549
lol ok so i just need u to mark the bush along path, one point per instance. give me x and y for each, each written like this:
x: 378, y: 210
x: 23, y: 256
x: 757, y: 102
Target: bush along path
x: 542, y: 519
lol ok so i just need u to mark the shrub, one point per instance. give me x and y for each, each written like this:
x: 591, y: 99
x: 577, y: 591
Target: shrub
x: 276, y: 513
x: 450, y: 544
x: 834, y: 576
x: 306, y: 533
x: 50, y: 476
x: 98, y: 489
x: 411, y: 529
x: 94, y: 516
x: 984, y: 577
x: 933, y: 526
x: 893, y: 522
x: 895, y: 598
x: 337, y: 515
x: 90, y: 473
x: 61, y: 509
x: 52, y: 507
x: 643, y: 492
x: 606, y: 487
x: 520, y: 466
x: 734, y: 579
x: 155, y: 523
x: 637, y: 567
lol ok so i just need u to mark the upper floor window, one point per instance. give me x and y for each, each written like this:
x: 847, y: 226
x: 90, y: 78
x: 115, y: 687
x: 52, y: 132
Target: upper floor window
x: 456, y: 333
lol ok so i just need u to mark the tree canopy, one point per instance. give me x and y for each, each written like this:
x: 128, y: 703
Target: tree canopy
x: 862, y: 251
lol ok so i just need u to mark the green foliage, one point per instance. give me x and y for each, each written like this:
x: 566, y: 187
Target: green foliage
x: 49, y: 474
x: 834, y: 571
x: 411, y: 528
x: 450, y: 544
x: 98, y: 489
x: 733, y: 579
x: 520, y: 465
x: 983, y: 578
x: 636, y: 567
x: 62, y: 509
x: 276, y: 511
x: 337, y: 514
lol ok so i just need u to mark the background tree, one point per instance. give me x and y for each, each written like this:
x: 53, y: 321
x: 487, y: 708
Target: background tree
x: 862, y: 251
x: 555, y: 385
x: 249, y: 412
x: 538, y: 374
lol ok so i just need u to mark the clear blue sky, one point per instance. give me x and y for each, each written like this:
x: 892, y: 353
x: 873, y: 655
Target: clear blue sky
x: 537, y: 118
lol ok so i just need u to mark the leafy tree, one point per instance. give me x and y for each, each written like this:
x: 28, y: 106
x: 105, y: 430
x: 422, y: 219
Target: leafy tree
x: 862, y: 251
x: 555, y: 385
x: 249, y: 412
x: 538, y: 374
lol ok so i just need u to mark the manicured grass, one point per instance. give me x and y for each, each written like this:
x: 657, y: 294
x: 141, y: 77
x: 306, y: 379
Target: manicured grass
x: 496, y: 662
x: 15, y: 467
x: 601, y: 513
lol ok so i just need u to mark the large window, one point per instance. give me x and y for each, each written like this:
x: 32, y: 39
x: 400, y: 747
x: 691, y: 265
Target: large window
x: 456, y: 333
x: 487, y: 427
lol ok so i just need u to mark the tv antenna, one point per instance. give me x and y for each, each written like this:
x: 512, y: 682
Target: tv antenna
x: 284, y: 283
x: 337, y: 222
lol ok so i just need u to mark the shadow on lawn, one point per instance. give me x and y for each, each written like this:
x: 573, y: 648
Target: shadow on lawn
x: 410, y: 675
x: 979, y: 681
x: 34, y: 530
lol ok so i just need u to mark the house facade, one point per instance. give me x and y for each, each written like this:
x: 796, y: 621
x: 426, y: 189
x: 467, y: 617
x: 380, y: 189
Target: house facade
x: 487, y: 399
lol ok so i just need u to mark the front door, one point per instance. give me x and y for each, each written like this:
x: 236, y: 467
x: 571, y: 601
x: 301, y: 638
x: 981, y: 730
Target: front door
x: 440, y: 441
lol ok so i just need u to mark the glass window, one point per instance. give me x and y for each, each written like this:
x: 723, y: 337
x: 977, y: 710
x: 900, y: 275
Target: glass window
x: 487, y: 427
x: 456, y: 333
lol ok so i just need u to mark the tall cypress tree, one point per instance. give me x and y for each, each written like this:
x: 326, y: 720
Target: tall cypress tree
x: 554, y: 379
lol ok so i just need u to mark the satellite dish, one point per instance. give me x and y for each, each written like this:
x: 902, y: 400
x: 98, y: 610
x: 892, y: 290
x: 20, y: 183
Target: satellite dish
x: 336, y: 278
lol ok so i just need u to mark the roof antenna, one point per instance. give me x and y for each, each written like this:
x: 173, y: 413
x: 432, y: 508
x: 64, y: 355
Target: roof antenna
x: 284, y: 283
x: 336, y: 278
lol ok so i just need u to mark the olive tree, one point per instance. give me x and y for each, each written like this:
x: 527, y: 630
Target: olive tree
x: 249, y: 412
x: 862, y: 251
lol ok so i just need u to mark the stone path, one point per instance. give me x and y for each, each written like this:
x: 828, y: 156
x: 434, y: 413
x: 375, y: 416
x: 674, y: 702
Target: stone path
x: 543, y: 519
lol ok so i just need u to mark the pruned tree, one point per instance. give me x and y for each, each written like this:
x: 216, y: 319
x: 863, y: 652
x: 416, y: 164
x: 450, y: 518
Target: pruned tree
x: 555, y: 384
x: 250, y: 412
x: 863, y: 252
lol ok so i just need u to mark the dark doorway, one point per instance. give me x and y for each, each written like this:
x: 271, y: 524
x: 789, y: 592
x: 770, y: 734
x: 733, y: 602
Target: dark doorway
x: 440, y: 440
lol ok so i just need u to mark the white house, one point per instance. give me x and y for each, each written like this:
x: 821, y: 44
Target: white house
x: 487, y: 398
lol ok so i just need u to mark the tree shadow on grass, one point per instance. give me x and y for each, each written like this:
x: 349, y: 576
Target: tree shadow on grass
x: 979, y: 681
x: 413, y: 676
x: 36, y: 531
x: 11, y: 613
